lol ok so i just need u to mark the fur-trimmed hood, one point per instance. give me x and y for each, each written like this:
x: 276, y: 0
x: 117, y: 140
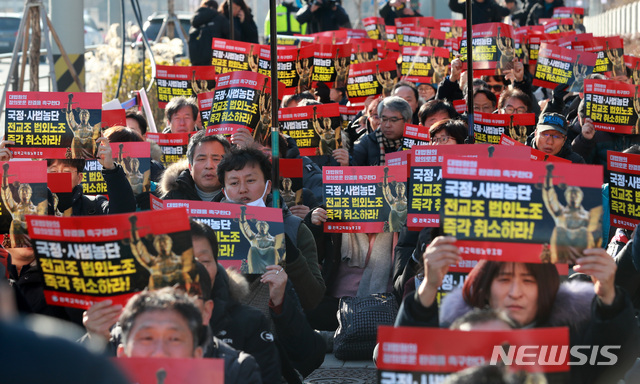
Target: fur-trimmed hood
x: 168, y: 182
x: 572, y: 306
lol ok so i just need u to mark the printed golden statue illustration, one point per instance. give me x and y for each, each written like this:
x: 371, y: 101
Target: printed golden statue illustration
x: 579, y: 74
x: 16, y: 198
x: 507, y: 52
x: 386, y: 81
x: 517, y: 132
x: 165, y: 267
x: 199, y: 86
x: 290, y: 196
x: 635, y: 74
x: 330, y: 138
x: 341, y: 65
x: 439, y: 69
x: 575, y: 228
x: 397, y: 203
x: 636, y: 107
x: 83, y: 145
x: 262, y: 132
x: 305, y: 71
x: 131, y: 168
x: 265, y: 249
x: 618, y: 67
x: 253, y: 59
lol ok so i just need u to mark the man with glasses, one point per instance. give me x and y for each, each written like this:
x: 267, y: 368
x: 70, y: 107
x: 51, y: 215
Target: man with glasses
x: 182, y: 114
x: 550, y: 137
x: 484, y: 101
x: 198, y: 181
x: 394, y: 112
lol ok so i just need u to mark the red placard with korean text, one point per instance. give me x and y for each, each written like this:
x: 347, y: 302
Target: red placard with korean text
x: 488, y: 127
x: 624, y: 189
x: 612, y: 105
x: 428, y: 355
x: 371, y: 79
x: 154, y: 370
x: 519, y: 208
x: 175, y: 81
x: 172, y: 145
x: 53, y: 125
x: 85, y: 260
x: 563, y: 66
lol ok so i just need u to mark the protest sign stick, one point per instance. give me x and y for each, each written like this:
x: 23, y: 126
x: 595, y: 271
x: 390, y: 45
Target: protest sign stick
x: 469, y: 74
x: 275, y: 147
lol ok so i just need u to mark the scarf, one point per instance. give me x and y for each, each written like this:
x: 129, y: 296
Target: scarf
x: 386, y: 145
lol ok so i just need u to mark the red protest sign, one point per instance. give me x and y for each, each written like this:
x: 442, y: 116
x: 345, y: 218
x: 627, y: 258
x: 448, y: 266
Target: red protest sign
x: 624, y: 189
x: 488, y: 127
x: 365, y: 199
x: 520, y: 207
x: 53, y: 125
x: 421, y: 354
x: 563, y: 66
x: 371, y: 79
x: 154, y: 370
x: 85, y: 260
x: 612, y: 105
x: 175, y: 81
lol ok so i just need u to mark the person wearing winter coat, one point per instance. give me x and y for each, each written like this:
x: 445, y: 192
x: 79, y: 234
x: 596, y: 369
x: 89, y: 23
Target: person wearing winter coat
x: 598, y: 313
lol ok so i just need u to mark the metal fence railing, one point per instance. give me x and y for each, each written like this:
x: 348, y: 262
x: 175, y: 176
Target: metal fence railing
x: 623, y: 20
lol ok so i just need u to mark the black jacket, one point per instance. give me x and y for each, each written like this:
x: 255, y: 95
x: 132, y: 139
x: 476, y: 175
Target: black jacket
x: 539, y: 11
x: 366, y: 151
x: 243, y: 327
x: 239, y: 367
x: 324, y: 19
x: 390, y: 14
x: 486, y: 12
x: 212, y: 20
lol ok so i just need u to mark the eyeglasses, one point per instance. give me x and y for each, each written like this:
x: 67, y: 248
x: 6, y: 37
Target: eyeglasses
x: 546, y: 135
x: 483, y: 108
x: 440, y: 140
x: 496, y: 87
x: 391, y: 119
x: 511, y: 110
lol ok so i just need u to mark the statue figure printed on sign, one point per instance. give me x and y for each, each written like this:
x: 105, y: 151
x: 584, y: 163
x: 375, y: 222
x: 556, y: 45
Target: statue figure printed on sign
x: 264, y: 247
x: 329, y: 137
x: 165, y: 267
x: 507, y: 52
x: 262, y: 134
x: 199, y: 86
x: 579, y: 74
x: 397, y: 203
x: 83, y: 145
x: 342, y: 70
x: 290, y: 196
x: 439, y: 69
x: 517, y: 132
x: 131, y: 168
x: 253, y: 60
x: 386, y: 81
x: 618, y: 67
x: 576, y: 228
x: 636, y: 107
x: 305, y: 71
x: 19, y: 208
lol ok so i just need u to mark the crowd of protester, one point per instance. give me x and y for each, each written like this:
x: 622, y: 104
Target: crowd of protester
x: 280, y: 324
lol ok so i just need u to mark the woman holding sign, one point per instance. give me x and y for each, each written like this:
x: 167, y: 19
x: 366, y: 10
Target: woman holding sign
x: 532, y: 295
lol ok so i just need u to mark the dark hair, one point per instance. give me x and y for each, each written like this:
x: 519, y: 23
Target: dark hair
x: 515, y: 93
x: 203, y: 288
x: 201, y: 137
x: 490, y: 95
x: 483, y: 315
x: 120, y: 134
x: 475, y: 83
x: 224, y: 8
x: 456, y: 128
x: 142, y: 121
x: 476, y: 290
x: 404, y: 83
x: 209, y: 4
x: 238, y: 158
x: 323, y: 92
x: 165, y: 299
x: 177, y: 103
x: 199, y: 229
x: 432, y: 107
x: 76, y: 163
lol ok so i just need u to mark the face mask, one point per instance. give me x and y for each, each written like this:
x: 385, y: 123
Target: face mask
x: 256, y: 203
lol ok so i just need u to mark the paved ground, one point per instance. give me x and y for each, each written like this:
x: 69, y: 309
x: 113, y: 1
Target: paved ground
x: 334, y: 371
